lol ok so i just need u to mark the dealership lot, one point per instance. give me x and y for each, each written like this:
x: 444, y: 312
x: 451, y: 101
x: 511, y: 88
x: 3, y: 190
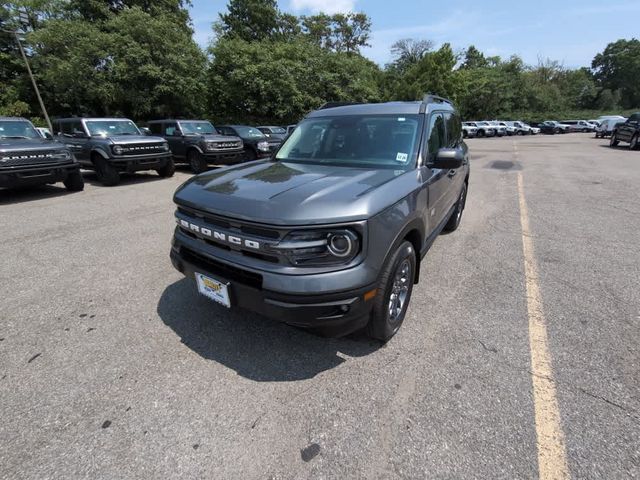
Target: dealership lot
x: 112, y: 366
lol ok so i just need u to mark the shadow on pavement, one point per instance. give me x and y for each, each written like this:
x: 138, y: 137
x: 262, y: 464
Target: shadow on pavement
x: 91, y: 178
x: 27, y: 194
x: 255, y: 347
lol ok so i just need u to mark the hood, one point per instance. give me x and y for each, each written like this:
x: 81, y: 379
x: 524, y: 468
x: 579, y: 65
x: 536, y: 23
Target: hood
x: 281, y: 193
x: 134, y: 139
x: 29, y: 144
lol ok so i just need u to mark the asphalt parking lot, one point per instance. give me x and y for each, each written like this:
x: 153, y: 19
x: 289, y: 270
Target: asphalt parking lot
x: 112, y: 366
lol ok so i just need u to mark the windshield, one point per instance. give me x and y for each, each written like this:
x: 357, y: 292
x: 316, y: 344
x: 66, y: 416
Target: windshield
x: 18, y: 129
x: 278, y: 130
x: 249, y: 132
x: 108, y: 128
x: 197, y: 128
x: 374, y: 141
x: 484, y: 124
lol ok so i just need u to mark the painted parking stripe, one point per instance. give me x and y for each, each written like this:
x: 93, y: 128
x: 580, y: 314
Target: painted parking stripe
x: 552, y: 455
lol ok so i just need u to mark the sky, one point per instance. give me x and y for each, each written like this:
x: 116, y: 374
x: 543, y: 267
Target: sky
x: 569, y: 31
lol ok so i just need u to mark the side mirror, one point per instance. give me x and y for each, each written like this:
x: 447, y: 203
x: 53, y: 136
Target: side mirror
x: 79, y: 135
x: 48, y: 136
x: 449, y: 158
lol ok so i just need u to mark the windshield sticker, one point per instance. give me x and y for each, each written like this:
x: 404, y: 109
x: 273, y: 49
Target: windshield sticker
x: 402, y: 157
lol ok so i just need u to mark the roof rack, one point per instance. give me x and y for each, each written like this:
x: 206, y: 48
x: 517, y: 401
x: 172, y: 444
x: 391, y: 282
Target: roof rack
x: 436, y: 99
x: 337, y: 104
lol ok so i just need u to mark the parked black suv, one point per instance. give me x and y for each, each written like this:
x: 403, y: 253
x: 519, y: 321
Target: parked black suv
x: 197, y: 143
x: 628, y: 132
x: 256, y: 143
x: 329, y: 233
x: 111, y: 146
x: 28, y: 159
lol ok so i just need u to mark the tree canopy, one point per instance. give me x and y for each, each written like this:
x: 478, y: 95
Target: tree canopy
x: 138, y: 58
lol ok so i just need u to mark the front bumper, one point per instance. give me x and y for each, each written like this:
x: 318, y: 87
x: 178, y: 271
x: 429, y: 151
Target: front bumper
x: 36, y: 174
x: 332, y: 314
x: 136, y: 163
x: 224, y: 158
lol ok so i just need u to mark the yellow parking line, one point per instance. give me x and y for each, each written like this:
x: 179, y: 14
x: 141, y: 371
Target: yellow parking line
x: 552, y: 455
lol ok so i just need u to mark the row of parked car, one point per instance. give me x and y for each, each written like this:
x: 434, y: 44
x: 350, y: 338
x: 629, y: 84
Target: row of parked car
x: 496, y: 128
x: 112, y: 146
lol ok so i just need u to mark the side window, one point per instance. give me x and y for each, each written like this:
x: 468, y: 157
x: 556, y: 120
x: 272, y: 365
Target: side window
x: 76, y: 127
x: 170, y: 129
x: 156, y: 128
x: 454, y: 130
x: 437, y: 136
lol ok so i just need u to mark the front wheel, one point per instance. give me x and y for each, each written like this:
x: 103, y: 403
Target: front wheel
x: 197, y: 162
x: 167, y: 170
x: 250, y: 155
x: 613, y: 141
x: 635, y: 142
x: 107, y: 174
x: 74, y: 182
x: 394, y: 293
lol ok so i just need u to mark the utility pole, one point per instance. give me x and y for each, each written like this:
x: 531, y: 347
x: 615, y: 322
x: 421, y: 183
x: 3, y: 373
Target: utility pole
x: 24, y: 20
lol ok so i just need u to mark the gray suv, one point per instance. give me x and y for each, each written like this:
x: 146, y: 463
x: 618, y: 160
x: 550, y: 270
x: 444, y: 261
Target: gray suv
x: 111, y: 146
x: 197, y: 143
x: 28, y: 159
x: 329, y: 232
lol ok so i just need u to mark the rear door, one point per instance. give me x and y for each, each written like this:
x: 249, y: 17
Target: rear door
x: 75, y: 136
x: 173, y: 135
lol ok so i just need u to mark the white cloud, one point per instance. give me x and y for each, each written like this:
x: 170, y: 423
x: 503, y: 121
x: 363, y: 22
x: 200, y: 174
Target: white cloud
x: 326, y: 6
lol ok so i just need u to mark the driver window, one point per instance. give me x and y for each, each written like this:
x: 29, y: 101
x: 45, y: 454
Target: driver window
x: 171, y: 129
x: 436, y: 136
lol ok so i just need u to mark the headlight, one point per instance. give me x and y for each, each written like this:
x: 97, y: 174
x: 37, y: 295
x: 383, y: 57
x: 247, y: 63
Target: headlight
x: 264, y: 146
x: 165, y: 146
x: 64, y: 155
x: 117, y: 149
x: 319, y: 247
x: 211, y: 145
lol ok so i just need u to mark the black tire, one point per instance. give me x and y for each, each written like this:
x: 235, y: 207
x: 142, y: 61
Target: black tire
x: 456, y: 216
x: 634, y: 144
x: 396, y: 279
x: 107, y: 174
x: 197, y: 162
x: 464, y: 134
x: 250, y: 155
x: 520, y: 132
x: 613, y: 141
x: 74, y: 182
x: 481, y: 133
x: 167, y: 170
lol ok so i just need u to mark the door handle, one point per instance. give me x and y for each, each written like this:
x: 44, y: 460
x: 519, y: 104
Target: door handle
x: 452, y: 173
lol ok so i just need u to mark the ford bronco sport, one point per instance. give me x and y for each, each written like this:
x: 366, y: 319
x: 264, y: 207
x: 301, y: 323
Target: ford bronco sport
x: 28, y: 159
x: 329, y: 232
x: 197, y: 143
x: 111, y: 146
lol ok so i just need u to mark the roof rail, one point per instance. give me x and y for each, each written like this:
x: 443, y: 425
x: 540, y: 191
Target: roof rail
x: 428, y: 98
x: 337, y: 104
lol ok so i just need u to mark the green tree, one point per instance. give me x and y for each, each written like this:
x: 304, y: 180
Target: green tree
x: 617, y: 68
x: 249, y: 20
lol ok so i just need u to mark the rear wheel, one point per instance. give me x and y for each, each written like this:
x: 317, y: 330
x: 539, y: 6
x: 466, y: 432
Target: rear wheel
x: 167, y: 170
x: 107, y: 174
x: 456, y: 216
x: 394, y: 293
x: 74, y: 182
x: 197, y: 162
x: 635, y: 142
x: 613, y: 141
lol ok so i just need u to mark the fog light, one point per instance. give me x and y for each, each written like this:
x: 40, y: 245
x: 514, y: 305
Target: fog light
x: 344, y: 308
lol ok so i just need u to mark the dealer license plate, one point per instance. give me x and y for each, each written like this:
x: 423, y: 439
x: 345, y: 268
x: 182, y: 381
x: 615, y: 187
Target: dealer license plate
x: 213, y: 289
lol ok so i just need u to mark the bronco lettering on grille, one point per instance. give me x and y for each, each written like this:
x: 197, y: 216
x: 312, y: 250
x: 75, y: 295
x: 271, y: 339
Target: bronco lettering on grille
x: 219, y: 236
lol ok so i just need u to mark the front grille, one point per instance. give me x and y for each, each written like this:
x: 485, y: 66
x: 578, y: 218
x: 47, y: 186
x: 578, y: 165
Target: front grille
x: 226, y: 145
x: 39, y: 157
x: 227, y: 272
x: 143, y: 149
